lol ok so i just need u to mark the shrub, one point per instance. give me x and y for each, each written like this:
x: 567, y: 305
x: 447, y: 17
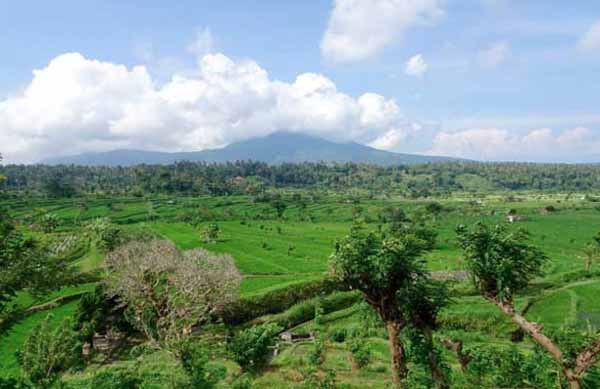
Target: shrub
x: 48, y: 351
x: 316, y: 354
x: 195, y: 361
x: 250, y: 347
x: 305, y: 310
x: 116, y: 378
x: 338, y: 335
x: 97, y: 312
x: 360, y: 351
x: 278, y: 300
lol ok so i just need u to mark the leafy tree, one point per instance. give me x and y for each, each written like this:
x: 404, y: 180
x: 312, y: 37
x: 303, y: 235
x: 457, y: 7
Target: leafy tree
x: 502, y: 262
x: 167, y: 292
x: 48, y: 351
x: 385, y: 269
x: 26, y: 263
x: 211, y: 233
x: 250, y: 348
x: 279, y: 205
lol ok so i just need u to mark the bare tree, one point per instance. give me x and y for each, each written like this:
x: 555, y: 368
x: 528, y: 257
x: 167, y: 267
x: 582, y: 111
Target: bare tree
x: 168, y: 292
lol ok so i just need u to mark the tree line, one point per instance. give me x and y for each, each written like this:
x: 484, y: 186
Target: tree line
x: 248, y: 177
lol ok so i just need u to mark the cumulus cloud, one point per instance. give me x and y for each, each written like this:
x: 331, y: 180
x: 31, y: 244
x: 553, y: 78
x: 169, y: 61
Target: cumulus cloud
x: 591, y: 39
x: 495, y: 54
x: 416, y: 66
x: 359, y: 29
x: 76, y: 104
x: 541, y: 145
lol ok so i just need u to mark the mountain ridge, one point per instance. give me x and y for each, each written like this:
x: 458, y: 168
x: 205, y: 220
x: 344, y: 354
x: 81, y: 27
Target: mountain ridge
x: 277, y: 148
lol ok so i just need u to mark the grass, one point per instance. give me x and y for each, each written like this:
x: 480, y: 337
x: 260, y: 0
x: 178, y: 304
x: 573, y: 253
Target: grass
x: 273, y: 253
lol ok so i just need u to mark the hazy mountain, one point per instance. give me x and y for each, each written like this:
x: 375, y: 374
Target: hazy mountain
x: 273, y: 149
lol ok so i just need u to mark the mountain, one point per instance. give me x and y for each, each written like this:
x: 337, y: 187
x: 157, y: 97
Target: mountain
x: 273, y: 149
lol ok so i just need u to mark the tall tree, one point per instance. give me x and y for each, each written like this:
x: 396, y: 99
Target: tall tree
x: 386, y: 269
x: 502, y: 262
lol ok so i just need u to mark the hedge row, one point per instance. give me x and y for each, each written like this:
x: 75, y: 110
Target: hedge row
x: 305, y: 310
x: 278, y: 300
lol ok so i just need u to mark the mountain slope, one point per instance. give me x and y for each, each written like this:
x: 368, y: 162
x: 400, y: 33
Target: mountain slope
x: 274, y: 149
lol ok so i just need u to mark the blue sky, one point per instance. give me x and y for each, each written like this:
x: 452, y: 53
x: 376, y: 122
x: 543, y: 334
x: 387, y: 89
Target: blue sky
x: 485, y: 79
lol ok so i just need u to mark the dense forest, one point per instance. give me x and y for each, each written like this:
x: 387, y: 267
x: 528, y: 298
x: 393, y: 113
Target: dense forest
x: 247, y: 177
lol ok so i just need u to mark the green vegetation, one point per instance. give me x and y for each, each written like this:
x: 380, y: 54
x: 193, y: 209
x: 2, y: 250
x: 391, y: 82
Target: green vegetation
x: 274, y: 230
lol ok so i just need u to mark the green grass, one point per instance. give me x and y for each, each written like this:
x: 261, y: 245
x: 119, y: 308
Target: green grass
x: 260, y: 245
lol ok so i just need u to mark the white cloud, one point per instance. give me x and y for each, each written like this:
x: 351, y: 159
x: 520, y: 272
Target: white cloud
x: 389, y: 141
x: 541, y: 145
x: 360, y: 29
x: 591, y: 39
x: 495, y: 54
x: 76, y: 104
x: 416, y: 66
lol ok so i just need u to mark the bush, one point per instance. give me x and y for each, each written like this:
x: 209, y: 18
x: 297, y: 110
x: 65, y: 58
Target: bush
x: 195, y: 361
x: 316, y: 354
x: 116, y: 378
x: 305, y: 311
x: 338, y: 335
x: 250, y: 347
x: 360, y: 351
x: 276, y: 301
x: 48, y: 351
x: 13, y: 383
x: 97, y: 313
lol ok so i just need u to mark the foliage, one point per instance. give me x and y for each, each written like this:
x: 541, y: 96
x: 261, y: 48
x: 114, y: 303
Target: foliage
x: 221, y: 179
x: 211, y: 233
x: 47, y: 352
x: 250, y: 348
x: 195, y: 361
x: 116, y: 378
x: 390, y: 273
x: 167, y: 292
x: 360, y: 351
x: 507, y: 367
x: 278, y: 300
x: 26, y: 263
x: 316, y: 354
x: 49, y: 222
x: 313, y: 378
x: 97, y: 313
x: 501, y: 261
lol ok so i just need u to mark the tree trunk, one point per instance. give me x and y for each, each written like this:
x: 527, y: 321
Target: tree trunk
x: 457, y: 347
x: 398, y: 362
x: 437, y: 373
x: 534, y: 330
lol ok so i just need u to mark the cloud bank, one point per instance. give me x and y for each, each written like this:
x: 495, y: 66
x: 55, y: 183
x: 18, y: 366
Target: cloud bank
x: 360, y: 29
x: 76, y: 104
x: 542, y: 145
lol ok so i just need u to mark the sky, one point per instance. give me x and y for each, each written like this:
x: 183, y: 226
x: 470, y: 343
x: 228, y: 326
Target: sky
x: 501, y: 80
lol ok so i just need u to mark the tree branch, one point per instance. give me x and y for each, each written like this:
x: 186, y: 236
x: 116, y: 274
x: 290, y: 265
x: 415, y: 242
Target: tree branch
x: 587, y: 358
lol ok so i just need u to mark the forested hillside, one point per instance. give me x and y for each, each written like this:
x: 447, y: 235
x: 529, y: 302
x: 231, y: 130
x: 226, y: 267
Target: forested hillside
x: 253, y: 177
